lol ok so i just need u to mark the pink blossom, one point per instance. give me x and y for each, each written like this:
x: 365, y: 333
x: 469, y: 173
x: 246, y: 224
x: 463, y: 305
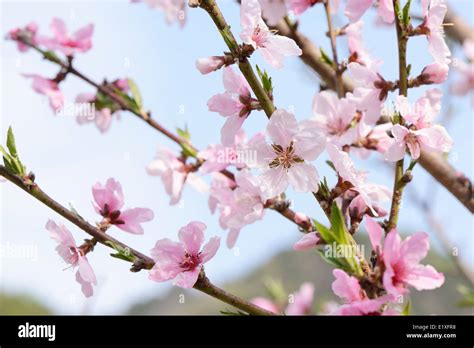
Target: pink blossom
x: 80, y: 41
x: 173, y: 173
x: 273, y: 10
x: 308, y: 241
x: 357, y: 303
x: 334, y: 117
x: 108, y: 202
x: 210, y: 64
x: 218, y: 157
x: 284, y: 161
x: 301, y: 301
x: 300, y: 6
x: 233, y: 104
x: 436, y: 72
x: 183, y: 260
x: 369, y: 94
x: 73, y: 255
x: 401, y: 260
x: 49, y: 88
x: 369, y: 194
x: 433, y: 13
x: 102, y: 118
x: 29, y: 33
x: 371, y: 138
x: 356, y: 45
x: 257, y: 34
x: 466, y: 71
x: 240, y: 203
x: 267, y: 304
x: 356, y: 9
x: 421, y: 135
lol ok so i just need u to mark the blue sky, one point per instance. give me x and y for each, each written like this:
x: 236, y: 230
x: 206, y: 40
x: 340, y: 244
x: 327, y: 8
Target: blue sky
x: 131, y: 40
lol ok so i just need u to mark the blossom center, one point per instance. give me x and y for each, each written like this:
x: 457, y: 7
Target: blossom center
x: 285, y: 158
x: 259, y: 36
x: 190, y: 261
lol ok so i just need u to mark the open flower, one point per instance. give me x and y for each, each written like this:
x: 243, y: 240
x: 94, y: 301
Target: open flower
x: 80, y: 41
x: 284, y: 161
x: 257, y: 34
x: 108, y: 202
x: 335, y: 117
x: 421, y: 134
x: 183, y: 260
x: 240, y: 203
x: 49, y: 88
x: 356, y: 45
x: 356, y: 8
x: 219, y: 157
x: 356, y: 301
x: 401, y: 260
x: 371, y: 89
x: 234, y: 103
x: 73, y: 255
x: 433, y: 13
x: 368, y: 194
x: 174, y: 174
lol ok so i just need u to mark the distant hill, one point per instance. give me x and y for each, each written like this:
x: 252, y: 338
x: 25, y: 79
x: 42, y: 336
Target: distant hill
x: 294, y: 268
x: 21, y: 305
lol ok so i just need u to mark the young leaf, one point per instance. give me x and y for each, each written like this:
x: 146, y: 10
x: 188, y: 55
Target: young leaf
x: 266, y: 80
x: 325, y: 233
x: 11, y: 143
x: 184, y: 133
x: 325, y: 58
x: 338, y: 225
x: 135, y: 93
x: 406, y: 13
x: 406, y: 309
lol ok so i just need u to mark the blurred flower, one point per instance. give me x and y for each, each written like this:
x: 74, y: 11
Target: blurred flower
x: 80, y: 41
x: 49, y: 88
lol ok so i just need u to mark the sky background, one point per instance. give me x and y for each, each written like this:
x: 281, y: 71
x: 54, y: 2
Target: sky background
x: 131, y: 40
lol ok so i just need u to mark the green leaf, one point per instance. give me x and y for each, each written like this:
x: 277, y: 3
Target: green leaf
x: 122, y: 253
x: 406, y: 13
x: 266, y: 80
x: 325, y: 58
x: 135, y: 93
x: 275, y: 289
x: 184, y: 133
x: 406, y: 309
x: 338, y: 225
x: 11, y: 143
x: 330, y: 164
x: 51, y: 56
x: 324, y: 232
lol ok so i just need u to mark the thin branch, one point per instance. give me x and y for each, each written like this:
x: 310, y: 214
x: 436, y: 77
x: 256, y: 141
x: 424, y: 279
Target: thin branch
x: 332, y: 35
x: 398, y: 184
x: 140, y: 261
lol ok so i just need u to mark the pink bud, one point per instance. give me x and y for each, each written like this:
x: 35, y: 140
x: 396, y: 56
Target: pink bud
x: 437, y: 72
x: 210, y: 64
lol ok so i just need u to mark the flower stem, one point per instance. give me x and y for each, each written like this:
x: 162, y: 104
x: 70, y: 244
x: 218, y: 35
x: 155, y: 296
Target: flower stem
x: 332, y: 35
x: 140, y: 261
x: 211, y: 7
x: 398, y: 184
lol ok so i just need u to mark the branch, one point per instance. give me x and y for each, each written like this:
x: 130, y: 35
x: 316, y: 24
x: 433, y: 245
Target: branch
x: 439, y: 168
x: 140, y: 262
x: 204, y: 285
x: 332, y: 35
x: 457, y: 29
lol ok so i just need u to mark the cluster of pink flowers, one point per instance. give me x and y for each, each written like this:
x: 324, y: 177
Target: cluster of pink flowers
x: 108, y: 202
x: 266, y: 165
x: 61, y: 41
